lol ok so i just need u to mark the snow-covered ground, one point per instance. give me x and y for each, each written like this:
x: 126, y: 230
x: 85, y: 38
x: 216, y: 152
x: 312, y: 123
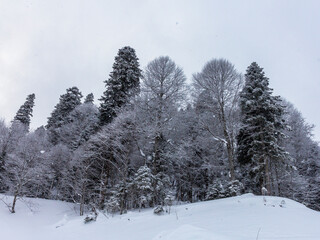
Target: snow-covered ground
x: 237, y: 218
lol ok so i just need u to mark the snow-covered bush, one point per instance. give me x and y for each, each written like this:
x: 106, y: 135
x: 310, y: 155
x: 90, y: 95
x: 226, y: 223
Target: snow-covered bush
x: 112, y: 205
x: 141, y: 187
x: 235, y: 188
x: 91, y: 217
x: 158, y: 210
x: 215, y: 191
x: 222, y: 189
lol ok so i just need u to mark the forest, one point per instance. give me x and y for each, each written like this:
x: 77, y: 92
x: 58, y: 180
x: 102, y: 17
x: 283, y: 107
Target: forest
x: 153, y: 139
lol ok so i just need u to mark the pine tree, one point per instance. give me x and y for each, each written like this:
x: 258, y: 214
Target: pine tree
x: 260, y: 135
x: 25, y: 112
x: 123, y: 83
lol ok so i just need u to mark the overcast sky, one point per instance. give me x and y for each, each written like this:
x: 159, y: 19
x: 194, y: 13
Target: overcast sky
x: 49, y: 46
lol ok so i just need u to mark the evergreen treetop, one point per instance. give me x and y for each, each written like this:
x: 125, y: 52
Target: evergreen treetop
x: 24, y: 113
x: 89, y: 98
x: 123, y: 83
x: 67, y: 103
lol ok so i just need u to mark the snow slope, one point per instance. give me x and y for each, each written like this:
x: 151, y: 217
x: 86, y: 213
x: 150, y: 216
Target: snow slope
x: 237, y: 218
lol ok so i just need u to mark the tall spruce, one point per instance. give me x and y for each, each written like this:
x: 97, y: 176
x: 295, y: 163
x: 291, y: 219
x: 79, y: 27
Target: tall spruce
x: 123, y: 83
x: 24, y: 113
x: 259, y: 138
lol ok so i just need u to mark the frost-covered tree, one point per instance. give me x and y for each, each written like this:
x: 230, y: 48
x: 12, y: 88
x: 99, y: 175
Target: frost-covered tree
x: 67, y: 103
x: 10, y: 136
x: 24, y: 168
x: 123, y: 83
x: 82, y: 122
x: 24, y: 113
x: 4, y: 147
x: 300, y: 181
x: 163, y: 90
x: 113, y: 151
x: 142, y: 187
x: 79, y: 180
x: 58, y: 160
x: 259, y: 139
x: 191, y: 156
x: 89, y: 98
x: 222, y: 84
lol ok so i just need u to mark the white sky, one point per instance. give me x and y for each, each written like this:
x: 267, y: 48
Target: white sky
x: 49, y: 46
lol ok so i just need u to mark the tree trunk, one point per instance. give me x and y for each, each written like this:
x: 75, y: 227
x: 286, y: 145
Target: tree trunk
x: 103, y: 191
x: 14, y: 202
x: 230, y: 159
x: 277, y: 179
x: 229, y: 143
x: 82, y: 200
x: 267, y: 176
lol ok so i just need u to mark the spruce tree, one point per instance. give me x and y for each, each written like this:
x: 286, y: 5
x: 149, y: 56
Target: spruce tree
x: 142, y: 187
x: 89, y: 98
x: 259, y: 138
x: 123, y: 83
x: 24, y: 113
x: 67, y: 103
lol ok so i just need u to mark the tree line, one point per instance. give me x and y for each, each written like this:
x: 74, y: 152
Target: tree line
x: 154, y: 139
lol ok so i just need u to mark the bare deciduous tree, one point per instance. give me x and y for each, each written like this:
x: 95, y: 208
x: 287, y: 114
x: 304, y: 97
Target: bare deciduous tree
x: 24, y: 168
x: 163, y: 89
x: 222, y: 84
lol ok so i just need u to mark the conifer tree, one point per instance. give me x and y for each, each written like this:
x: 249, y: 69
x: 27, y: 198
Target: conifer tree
x: 142, y: 187
x: 260, y: 135
x: 25, y: 112
x: 67, y: 103
x: 89, y: 98
x: 123, y: 83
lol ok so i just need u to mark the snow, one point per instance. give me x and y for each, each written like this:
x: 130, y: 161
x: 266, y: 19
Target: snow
x: 237, y: 218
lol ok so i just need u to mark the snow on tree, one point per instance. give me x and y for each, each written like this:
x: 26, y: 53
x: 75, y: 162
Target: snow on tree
x: 67, y: 102
x: 163, y: 90
x: 112, y: 150
x: 142, y: 187
x: 89, y: 98
x: 24, y: 168
x: 260, y: 136
x: 58, y: 164
x: 4, y: 147
x: 82, y: 122
x: 24, y: 113
x: 191, y: 168
x: 222, y: 189
x: 302, y: 178
x: 222, y: 84
x: 79, y: 181
x: 123, y: 83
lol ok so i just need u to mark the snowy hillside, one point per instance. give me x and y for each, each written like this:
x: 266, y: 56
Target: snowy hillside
x: 238, y: 218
